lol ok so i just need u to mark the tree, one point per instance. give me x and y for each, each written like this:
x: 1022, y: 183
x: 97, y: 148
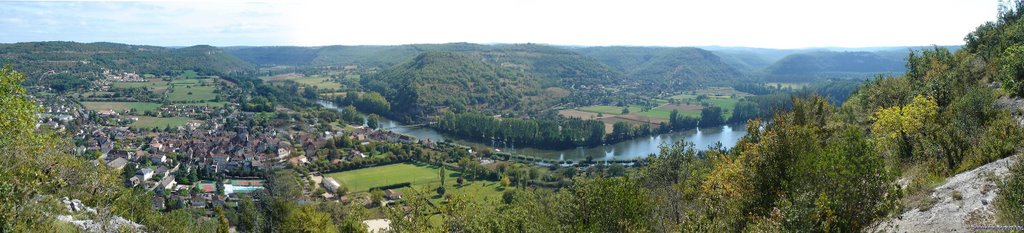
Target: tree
x: 249, y: 216
x: 308, y: 219
x: 373, y: 121
x: 377, y: 196
x: 1011, y: 72
x: 711, y: 116
x: 505, y: 181
x: 625, y: 110
x: 442, y: 175
x: 222, y: 226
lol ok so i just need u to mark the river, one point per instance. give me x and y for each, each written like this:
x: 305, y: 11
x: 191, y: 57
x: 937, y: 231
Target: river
x: 625, y: 150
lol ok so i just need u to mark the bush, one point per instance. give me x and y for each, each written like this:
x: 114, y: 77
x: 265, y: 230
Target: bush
x: 1011, y: 195
x: 999, y: 140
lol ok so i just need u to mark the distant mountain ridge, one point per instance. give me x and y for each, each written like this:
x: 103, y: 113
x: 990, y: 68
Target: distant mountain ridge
x: 89, y: 59
x: 804, y: 67
x: 668, y: 67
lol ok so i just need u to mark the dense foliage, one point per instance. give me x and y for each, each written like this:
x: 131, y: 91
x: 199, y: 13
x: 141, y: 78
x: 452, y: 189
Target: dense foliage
x: 665, y: 69
x: 805, y: 67
x: 543, y: 133
x: 87, y: 61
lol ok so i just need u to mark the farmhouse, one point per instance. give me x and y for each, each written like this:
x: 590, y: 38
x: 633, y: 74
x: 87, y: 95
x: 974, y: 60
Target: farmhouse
x: 391, y: 194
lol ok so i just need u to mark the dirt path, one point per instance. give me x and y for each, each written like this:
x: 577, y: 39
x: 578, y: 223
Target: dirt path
x: 965, y: 200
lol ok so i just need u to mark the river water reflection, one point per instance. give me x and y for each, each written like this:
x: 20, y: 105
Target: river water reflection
x: 625, y: 150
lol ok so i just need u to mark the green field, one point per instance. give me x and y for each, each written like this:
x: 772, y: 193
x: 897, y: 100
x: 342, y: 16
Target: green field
x: 477, y: 191
x: 616, y: 110
x: 199, y: 93
x: 725, y: 102
x: 155, y: 85
x: 121, y: 106
x: 362, y: 180
x: 207, y: 104
x: 319, y: 82
x: 150, y: 122
x: 189, y: 74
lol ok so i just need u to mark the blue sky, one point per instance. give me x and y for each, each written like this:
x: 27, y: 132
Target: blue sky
x: 770, y: 24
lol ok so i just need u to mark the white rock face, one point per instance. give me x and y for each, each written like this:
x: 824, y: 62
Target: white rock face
x: 957, y: 213
x: 114, y: 224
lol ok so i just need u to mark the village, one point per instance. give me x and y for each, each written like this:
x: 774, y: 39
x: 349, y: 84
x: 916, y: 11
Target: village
x: 219, y: 153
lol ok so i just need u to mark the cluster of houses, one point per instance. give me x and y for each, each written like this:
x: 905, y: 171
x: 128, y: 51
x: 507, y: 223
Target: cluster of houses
x: 122, y: 76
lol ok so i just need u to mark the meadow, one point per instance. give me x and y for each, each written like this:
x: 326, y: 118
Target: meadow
x: 121, y: 106
x: 183, y: 92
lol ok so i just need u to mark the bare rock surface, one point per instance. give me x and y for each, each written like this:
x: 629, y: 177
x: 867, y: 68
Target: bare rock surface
x: 964, y: 201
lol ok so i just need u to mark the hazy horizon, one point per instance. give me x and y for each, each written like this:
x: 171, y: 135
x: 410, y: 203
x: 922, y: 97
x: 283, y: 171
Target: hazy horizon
x: 794, y: 24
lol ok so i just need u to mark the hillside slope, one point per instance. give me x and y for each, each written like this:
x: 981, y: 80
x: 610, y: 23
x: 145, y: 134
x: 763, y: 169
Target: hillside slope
x: 507, y: 78
x: 665, y: 69
x: 89, y: 59
x: 805, y: 67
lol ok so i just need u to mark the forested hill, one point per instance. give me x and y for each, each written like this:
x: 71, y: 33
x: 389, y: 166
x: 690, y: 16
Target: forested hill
x: 804, y: 67
x: 275, y: 55
x: 87, y: 60
x: 520, y: 78
x: 674, y: 68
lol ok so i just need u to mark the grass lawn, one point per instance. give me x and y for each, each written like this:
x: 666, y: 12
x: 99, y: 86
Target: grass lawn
x: 481, y: 192
x: 362, y: 180
x: 147, y: 122
x: 121, y: 106
x: 199, y: 93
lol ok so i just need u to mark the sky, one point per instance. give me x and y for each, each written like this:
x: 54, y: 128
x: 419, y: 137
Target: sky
x: 753, y: 23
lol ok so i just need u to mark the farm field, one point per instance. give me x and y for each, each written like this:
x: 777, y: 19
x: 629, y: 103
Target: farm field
x: 121, y: 106
x: 160, y: 122
x: 317, y: 81
x: 155, y: 85
x: 687, y: 103
x: 198, y: 93
x: 361, y: 180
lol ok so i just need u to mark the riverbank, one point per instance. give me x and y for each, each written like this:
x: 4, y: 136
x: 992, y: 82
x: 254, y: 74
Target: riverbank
x: 624, y: 151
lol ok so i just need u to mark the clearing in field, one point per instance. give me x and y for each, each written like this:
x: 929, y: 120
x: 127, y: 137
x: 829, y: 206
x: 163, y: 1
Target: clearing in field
x: 121, y: 106
x: 605, y: 109
x: 361, y: 180
x: 147, y: 122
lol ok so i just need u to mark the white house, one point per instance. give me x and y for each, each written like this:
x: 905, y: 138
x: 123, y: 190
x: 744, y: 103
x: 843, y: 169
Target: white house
x: 146, y: 173
x: 330, y: 184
